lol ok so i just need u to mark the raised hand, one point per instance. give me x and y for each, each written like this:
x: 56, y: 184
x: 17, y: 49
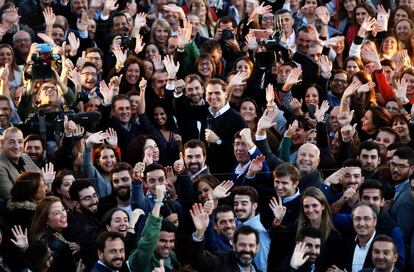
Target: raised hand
x: 290, y: 132
x: 325, y: 64
x: 96, y: 138
x: 238, y: 79
x: 366, y: 26
x: 120, y: 55
x: 112, y: 138
x: 114, y: 82
x: 299, y: 256
x: 179, y: 165
x: 320, y: 112
x: 332, y: 42
x: 294, y: 76
x: 323, y: 14
x: 267, y: 120
x: 296, y: 106
x: 81, y: 61
x: 4, y: 72
x: 149, y: 155
x: 131, y: 7
x: 136, y: 214
x: 170, y: 175
x: 382, y: 18
x: 49, y: 16
x: 277, y: 208
x: 262, y: 9
x: 171, y: 67
x: 111, y: 5
x: 3, y: 29
x: 48, y: 173
x: 223, y: 189
x: 336, y: 177
x: 160, y: 268
x: 348, y: 132
x: 156, y: 60
x: 256, y: 166
x: 366, y: 87
x: 83, y: 22
x: 184, y: 34
x: 106, y: 92
x: 345, y: 118
x: 351, y: 90
x: 251, y: 42
x: 140, y: 20
x: 200, y: 219
x: 246, y: 135
x: 74, y: 43
x: 401, y: 91
x: 20, y: 238
x: 138, y: 171
x: 139, y: 45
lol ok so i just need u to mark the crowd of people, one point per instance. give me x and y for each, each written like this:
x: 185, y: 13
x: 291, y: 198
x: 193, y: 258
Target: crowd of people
x: 207, y: 135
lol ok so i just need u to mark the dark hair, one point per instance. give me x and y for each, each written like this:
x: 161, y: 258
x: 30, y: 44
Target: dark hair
x: 210, y: 180
x: 245, y: 230
x: 36, y: 255
x: 107, y: 217
x: 390, y: 131
x: 247, y: 190
x: 34, y: 137
x: 352, y: 163
x: 283, y: 11
x: 217, y: 81
x: 89, y: 64
x: 136, y: 149
x: 223, y: 208
x: 77, y: 186
x: 380, y: 117
x: 202, y: 57
x: 94, y: 50
x: 120, y: 166
x: 57, y: 182
x: 395, y: 145
x: 170, y: 123
x: 117, y: 98
x: 368, y: 145
x: 152, y: 167
x: 168, y: 208
x: 371, y: 184
x: 370, y: 10
x: 405, y: 153
x: 193, y: 143
x: 308, y: 232
x: 226, y: 20
x: 168, y: 226
x: 97, y: 155
x: 107, y: 235
x: 26, y: 186
x: 210, y: 45
x: 287, y: 170
x: 390, y: 63
x: 385, y: 238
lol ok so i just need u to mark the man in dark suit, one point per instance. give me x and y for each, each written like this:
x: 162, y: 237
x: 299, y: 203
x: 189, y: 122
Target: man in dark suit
x: 384, y: 255
x: 12, y: 160
x: 111, y: 252
x: 359, y: 248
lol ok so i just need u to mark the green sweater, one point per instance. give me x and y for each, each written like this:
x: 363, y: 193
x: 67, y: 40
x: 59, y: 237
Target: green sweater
x: 144, y: 258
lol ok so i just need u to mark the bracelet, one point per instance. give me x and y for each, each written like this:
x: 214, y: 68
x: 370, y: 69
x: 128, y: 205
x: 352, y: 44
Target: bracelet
x: 157, y: 201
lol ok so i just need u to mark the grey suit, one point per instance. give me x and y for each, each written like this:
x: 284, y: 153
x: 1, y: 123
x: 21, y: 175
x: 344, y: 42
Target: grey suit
x: 402, y: 211
x: 9, y: 173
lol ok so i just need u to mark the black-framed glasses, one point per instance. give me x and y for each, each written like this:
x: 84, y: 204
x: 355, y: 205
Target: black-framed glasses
x: 399, y: 166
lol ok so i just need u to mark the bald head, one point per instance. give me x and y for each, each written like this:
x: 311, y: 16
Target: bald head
x: 308, y: 158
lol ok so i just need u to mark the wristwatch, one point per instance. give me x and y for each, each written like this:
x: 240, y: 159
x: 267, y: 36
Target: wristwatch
x: 219, y: 141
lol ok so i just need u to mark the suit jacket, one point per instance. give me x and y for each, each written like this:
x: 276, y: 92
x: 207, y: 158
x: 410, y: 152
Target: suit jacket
x: 9, y: 173
x: 349, y: 255
x: 372, y: 270
x: 100, y: 268
x: 401, y: 211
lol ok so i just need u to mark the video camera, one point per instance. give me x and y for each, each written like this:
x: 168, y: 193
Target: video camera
x: 50, y: 124
x: 42, y: 62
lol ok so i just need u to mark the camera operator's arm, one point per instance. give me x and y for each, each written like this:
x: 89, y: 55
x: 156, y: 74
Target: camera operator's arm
x: 64, y: 91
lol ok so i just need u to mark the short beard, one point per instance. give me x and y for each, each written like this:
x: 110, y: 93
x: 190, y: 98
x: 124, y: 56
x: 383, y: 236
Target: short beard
x: 123, y: 197
x: 241, y: 261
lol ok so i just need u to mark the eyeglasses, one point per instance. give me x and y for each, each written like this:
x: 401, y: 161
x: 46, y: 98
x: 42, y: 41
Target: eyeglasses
x: 362, y: 218
x: 89, y: 74
x: 342, y: 81
x: 392, y: 108
x: 22, y: 40
x: 239, y: 145
x: 89, y: 198
x: 392, y: 164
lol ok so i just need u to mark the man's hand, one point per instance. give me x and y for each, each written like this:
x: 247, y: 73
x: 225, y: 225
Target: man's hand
x: 49, y: 16
x: 139, y: 170
x: 401, y: 91
x: 267, y: 120
x: 96, y: 138
x: 112, y: 138
x: 160, y: 191
x: 345, y: 118
x: 320, y: 112
x: 200, y: 220
x: 326, y: 65
x: 323, y: 14
x: 299, y: 256
x: 246, y: 135
x: 49, y: 174
x: 171, y: 67
x: 255, y: 166
x: 290, y: 132
x: 277, y: 208
x: 348, y: 132
x: 293, y: 78
x: 179, y: 165
x: 211, y: 136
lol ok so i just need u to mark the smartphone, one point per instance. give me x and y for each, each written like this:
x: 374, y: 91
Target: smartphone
x: 312, y: 109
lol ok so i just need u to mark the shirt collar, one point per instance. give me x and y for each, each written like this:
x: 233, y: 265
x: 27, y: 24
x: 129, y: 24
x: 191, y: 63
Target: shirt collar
x: 101, y: 263
x: 369, y: 241
x: 292, y: 197
x: 241, y: 169
x: 221, y: 111
x: 198, y: 173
